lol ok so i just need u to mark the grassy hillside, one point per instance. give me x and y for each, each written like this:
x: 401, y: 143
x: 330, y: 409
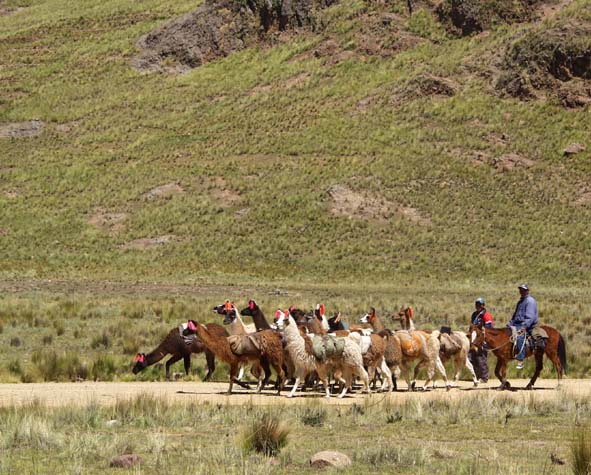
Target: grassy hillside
x: 257, y: 143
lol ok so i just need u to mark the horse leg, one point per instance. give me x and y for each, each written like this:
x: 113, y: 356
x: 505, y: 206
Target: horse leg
x: 210, y: 358
x: 502, y: 374
x: 171, y: 361
x: 539, y: 355
x: 552, y: 354
x: 187, y: 362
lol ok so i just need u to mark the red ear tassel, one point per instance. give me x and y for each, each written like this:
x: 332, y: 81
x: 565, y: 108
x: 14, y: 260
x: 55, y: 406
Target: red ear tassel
x: 321, y: 309
x: 228, y: 305
x: 278, y: 314
x: 142, y: 358
x: 191, y: 326
x: 251, y: 304
x: 410, y: 312
x: 136, y: 358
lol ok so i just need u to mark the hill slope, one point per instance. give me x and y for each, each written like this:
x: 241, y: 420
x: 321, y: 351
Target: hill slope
x: 374, y: 145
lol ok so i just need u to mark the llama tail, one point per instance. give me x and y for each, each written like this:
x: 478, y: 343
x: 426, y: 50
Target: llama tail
x: 562, y: 354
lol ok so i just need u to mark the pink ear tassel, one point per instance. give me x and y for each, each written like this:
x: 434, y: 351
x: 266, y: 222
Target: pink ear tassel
x: 251, y: 304
x: 191, y: 326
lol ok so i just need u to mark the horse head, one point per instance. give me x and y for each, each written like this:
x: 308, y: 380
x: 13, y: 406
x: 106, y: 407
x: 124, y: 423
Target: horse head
x: 476, y: 336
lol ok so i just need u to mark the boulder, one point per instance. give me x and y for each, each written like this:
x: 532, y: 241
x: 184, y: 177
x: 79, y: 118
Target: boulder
x: 573, y: 149
x: 126, y: 461
x: 330, y: 458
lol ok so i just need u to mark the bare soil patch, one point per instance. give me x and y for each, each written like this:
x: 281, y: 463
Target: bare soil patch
x: 143, y: 244
x: 111, y: 223
x: 345, y: 202
x: 21, y: 129
x: 107, y: 394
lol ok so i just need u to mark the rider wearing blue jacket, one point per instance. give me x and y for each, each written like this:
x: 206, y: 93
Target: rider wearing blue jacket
x: 525, y: 317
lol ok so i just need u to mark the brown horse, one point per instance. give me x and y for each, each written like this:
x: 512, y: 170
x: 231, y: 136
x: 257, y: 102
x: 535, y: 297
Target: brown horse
x: 498, y: 340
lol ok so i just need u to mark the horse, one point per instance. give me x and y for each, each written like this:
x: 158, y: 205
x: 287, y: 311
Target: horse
x: 498, y: 340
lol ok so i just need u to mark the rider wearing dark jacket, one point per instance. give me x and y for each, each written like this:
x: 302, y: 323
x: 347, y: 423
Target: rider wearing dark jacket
x: 525, y: 318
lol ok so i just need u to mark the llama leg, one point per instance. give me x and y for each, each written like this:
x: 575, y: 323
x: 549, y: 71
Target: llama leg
x: 346, y: 379
x: 388, y: 374
x: 295, y: 387
x: 364, y: 378
x: 210, y: 359
x: 441, y: 369
x: 264, y: 375
x: 171, y: 361
x: 240, y: 373
x: 470, y: 367
x: 323, y: 376
x: 232, y: 377
x: 187, y: 362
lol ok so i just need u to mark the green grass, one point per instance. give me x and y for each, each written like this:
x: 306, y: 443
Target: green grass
x: 429, y: 437
x: 112, y: 134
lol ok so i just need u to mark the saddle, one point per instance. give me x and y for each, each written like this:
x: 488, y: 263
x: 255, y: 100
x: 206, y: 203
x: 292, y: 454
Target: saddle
x: 538, y: 336
x: 327, y: 346
x: 450, y: 343
x: 244, y: 344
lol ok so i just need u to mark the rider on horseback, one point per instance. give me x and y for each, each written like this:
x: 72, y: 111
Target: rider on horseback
x: 525, y: 318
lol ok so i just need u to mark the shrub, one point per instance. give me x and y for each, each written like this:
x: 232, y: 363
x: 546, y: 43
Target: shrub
x: 313, y: 416
x: 101, y: 340
x: 265, y: 435
x: 15, y: 341
x: 14, y: 366
x: 47, y: 339
x: 53, y: 367
x: 103, y: 369
x: 581, y: 453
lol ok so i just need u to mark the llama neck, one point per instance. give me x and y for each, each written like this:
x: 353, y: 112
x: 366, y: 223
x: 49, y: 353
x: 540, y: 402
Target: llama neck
x: 377, y: 324
x: 259, y: 320
x: 237, y: 326
x: 156, y: 355
x: 292, y: 333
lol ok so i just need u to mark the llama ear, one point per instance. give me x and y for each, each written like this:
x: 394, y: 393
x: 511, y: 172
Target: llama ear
x: 410, y: 312
x: 136, y: 358
x: 291, y: 309
x: 278, y: 314
x: 251, y: 304
x: 191, y: 325
x: 227, y: 305
x: 142, y: 358
x: 321, y: 309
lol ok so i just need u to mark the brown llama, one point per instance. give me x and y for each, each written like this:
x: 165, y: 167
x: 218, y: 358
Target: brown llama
x: 269, y: 352
x: 179, y: 346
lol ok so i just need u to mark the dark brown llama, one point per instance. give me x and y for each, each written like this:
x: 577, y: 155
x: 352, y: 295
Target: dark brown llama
x: 180, y: 348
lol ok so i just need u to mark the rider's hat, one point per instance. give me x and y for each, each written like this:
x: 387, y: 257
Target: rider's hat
x: 480, y: 301
x: 523, y: 286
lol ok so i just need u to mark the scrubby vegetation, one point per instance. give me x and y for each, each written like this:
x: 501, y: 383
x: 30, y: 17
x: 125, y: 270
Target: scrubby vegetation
x: 177, y: 438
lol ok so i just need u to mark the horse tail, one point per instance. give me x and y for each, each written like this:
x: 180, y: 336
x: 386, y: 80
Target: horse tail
x: 562, y: 354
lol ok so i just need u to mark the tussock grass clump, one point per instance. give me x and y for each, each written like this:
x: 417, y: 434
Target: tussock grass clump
x: 313, y: 416
x: 54, y: 367
x: 103, y: 369
x: 581, y: 452
x: 266, y: 435
x: 22, y: 430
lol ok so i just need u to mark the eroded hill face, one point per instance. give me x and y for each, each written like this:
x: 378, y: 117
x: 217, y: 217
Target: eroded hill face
x: 221, y: 27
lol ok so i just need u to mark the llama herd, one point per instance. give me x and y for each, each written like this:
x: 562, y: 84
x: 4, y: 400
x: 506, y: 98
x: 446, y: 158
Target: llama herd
x: 305, y: 347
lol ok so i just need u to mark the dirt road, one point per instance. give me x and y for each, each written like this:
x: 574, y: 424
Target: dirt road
x: 66, y: 394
